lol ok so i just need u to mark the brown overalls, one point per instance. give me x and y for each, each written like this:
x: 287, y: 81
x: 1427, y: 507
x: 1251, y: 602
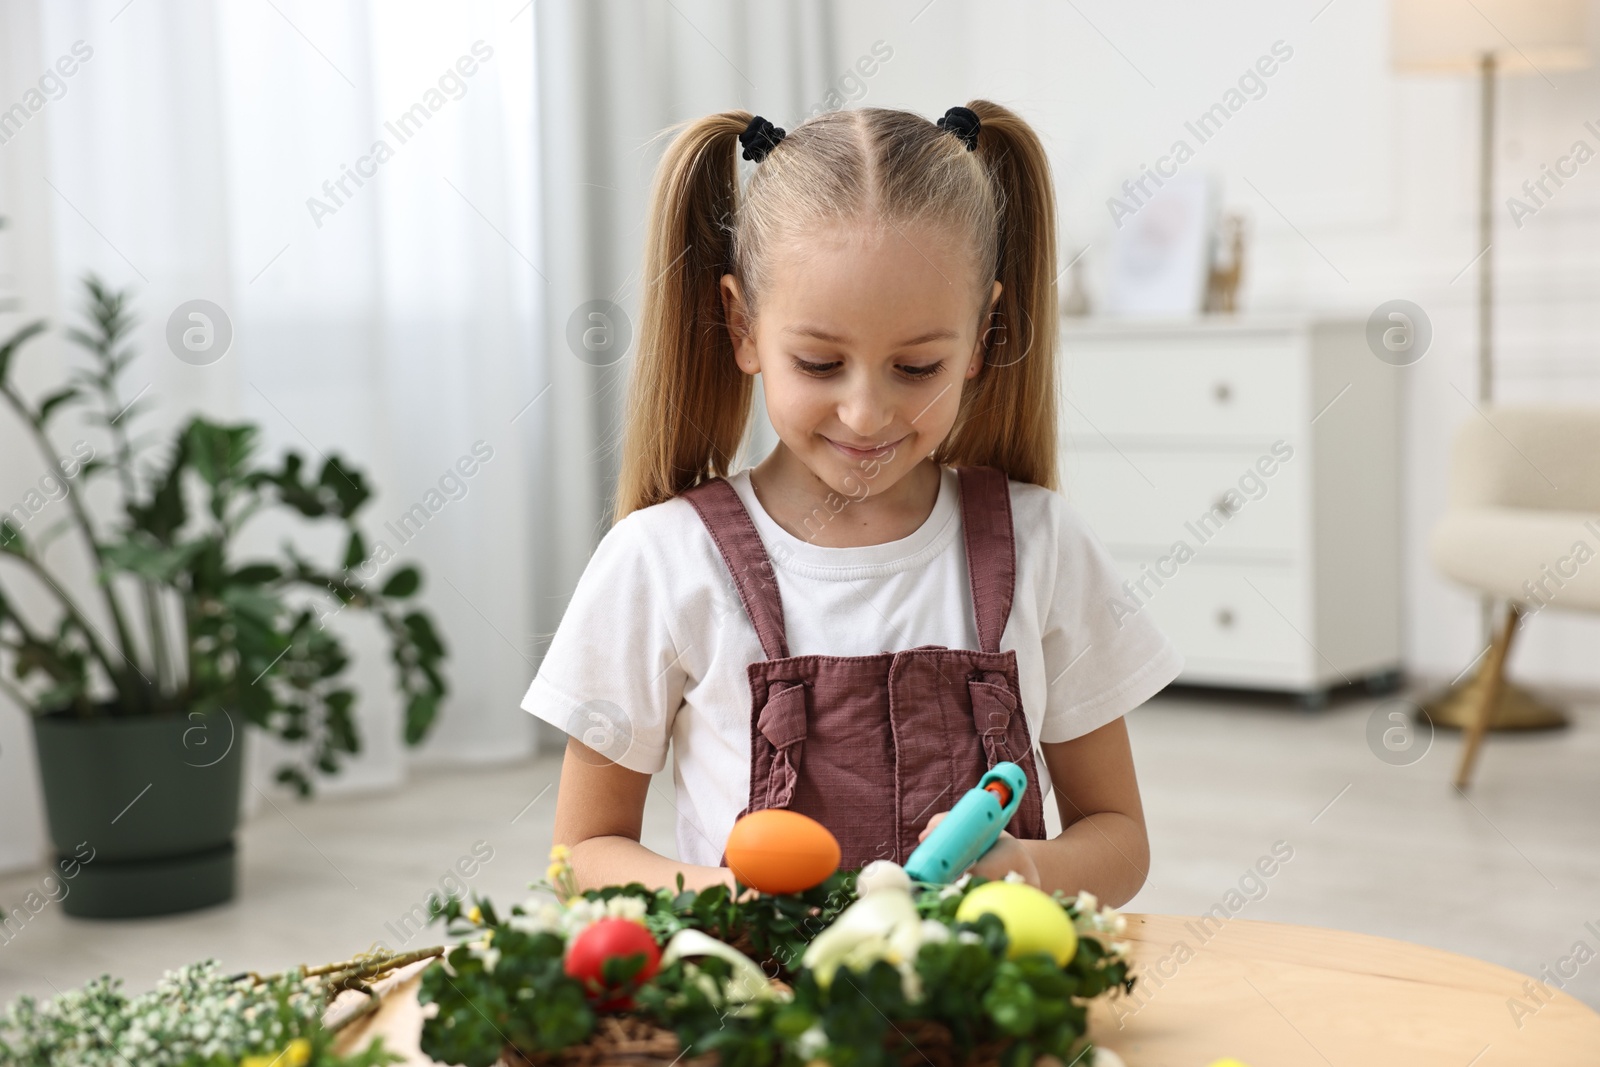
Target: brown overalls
x: 887, y: 740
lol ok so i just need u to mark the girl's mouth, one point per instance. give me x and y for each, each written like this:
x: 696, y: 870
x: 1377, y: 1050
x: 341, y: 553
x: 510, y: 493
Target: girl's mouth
x: 865, y: 453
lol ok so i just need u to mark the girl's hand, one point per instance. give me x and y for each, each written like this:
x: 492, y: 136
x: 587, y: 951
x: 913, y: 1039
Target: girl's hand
x: 1007, y: 854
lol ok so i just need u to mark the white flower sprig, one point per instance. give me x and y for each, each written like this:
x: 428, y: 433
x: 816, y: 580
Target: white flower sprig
x: 1103, y: 924
x: 195, y: 1012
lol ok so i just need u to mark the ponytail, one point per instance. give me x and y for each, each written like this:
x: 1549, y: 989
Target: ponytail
x: 1007, y: 417
x: 688, y: 403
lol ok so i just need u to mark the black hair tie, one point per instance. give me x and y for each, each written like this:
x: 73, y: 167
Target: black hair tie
x: 963, y: 122
x: 759, y: 138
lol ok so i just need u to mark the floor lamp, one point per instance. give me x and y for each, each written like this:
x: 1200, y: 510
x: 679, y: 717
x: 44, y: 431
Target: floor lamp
x: 1491, y: 39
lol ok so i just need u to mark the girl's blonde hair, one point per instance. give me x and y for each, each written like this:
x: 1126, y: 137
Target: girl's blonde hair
x: 688, y: 402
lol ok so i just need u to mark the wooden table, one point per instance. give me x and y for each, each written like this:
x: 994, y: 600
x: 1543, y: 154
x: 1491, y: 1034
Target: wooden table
x: 1269, y: 995
x: 1276, y: 995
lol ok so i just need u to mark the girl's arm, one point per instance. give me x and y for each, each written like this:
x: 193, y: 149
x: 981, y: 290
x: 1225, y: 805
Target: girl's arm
x: 599, y: 816
x: 1102, y: 846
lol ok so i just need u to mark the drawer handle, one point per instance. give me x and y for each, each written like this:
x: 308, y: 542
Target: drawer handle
x: 1223, y: 392
x: 1224, y: 506
x: 1225, y: 618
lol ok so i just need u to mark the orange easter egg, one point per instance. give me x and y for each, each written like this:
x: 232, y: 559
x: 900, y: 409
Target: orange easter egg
x: 778, y: 851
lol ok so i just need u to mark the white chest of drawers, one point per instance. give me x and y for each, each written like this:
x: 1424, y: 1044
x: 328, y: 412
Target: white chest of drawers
x: 1244, y: 472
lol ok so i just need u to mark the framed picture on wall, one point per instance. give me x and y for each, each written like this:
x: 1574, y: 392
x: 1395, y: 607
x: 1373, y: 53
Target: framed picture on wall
x: 1161, y: 253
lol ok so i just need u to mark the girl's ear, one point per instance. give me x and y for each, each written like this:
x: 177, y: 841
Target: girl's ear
x: 737, y: 318
x: 983, y: 335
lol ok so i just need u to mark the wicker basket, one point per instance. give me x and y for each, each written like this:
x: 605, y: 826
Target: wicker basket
x: 626, y: 1041
x: 619, y: 1040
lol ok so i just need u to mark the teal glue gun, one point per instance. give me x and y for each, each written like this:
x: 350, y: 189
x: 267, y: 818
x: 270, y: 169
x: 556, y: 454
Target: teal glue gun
x: 971, y: 827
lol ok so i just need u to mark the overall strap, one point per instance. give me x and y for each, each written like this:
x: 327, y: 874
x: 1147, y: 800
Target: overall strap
x: 746, y: 557
x: 991, y: 549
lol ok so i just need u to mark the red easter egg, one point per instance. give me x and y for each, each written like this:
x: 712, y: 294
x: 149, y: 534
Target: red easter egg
x: 779, y: 851
x: 606, y: 939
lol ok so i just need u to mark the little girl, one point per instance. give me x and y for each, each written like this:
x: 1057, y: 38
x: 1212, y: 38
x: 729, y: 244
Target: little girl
x: 896, y: 597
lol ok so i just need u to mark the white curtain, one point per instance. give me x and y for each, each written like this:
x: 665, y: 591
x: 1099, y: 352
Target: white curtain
x: 398, y: 305
x: 204, y: 150
x: 612, y: 76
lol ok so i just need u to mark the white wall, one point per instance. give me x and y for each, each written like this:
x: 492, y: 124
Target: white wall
x: 1376, y: 171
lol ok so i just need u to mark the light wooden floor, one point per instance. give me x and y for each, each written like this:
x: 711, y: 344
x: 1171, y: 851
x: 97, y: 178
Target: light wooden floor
x: 1509, y: 873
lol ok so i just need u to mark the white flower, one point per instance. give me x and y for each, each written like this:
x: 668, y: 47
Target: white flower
x: 968, y: 937
x: 1014, y: 877
x: 633, y: 908
x: 811, y: 1042
x: 579, y: 915
x: 540, y: 917
x: 1087, y: 903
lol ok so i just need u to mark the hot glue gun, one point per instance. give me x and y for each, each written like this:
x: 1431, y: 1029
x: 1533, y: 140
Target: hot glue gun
x: 971, y: 827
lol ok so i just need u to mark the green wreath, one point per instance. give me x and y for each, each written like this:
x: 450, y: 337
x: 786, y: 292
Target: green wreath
x: 734, y: 984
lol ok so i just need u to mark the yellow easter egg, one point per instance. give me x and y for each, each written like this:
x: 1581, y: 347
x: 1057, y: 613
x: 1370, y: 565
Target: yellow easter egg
x: 1034, y: 922
x: 780, y: 851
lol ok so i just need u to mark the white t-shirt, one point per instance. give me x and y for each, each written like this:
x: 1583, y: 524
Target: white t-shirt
x: 654, y: 643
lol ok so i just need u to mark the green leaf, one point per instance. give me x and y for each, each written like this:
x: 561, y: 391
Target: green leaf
x: 164, y: 514
x: 403, y: 583
x: 306, y: 499
x: 355, y: 550
x: 82, y: 337
x: 254, y: 604
x: 348, y: 486
x: 341, y: 726
x: 435, y: 679
x: 420, y: 712
x: 255, y: 574
x: 294, y: 776
x: 420, y: 627
x: 154, y: 562
x: 293, y: 727
x: 13, y: 343
x: 1011, y: 1003
x: 55, y: 400
x: 11, y: 539
x: 93, y: 466
x: 219, y: 453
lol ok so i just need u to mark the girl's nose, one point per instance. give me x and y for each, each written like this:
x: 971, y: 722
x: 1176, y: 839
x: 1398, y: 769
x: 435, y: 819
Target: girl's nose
x: 866, y: 410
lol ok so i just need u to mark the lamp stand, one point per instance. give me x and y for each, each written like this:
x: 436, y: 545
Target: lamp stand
x: 1459, y: 705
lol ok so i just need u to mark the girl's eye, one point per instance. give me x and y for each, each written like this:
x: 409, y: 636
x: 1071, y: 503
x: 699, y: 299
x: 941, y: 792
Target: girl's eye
x: 813, y: 368
x: 915, y: 373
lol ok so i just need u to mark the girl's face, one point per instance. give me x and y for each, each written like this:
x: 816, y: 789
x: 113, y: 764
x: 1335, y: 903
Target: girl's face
x: 865, y: 338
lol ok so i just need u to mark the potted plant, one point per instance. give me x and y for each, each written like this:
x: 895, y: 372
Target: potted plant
x: 140, y: 736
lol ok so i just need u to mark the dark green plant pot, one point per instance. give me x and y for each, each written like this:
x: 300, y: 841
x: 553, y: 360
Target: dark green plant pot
x: 142, y: 811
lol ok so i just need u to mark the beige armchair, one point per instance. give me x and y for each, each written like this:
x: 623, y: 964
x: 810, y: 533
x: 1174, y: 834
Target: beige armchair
x: 1523, y: 526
